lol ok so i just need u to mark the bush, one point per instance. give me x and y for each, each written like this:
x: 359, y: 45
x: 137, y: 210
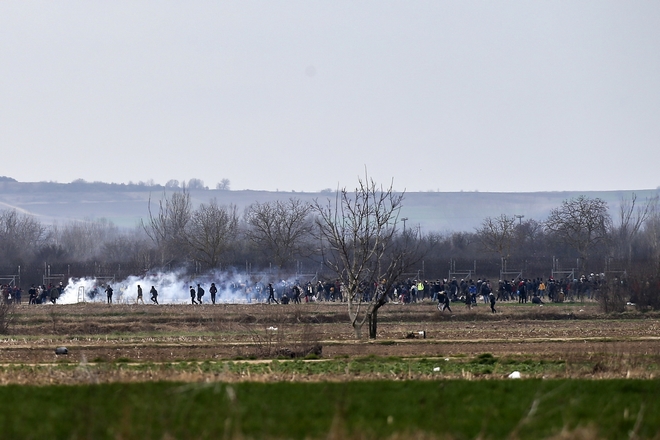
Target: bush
x: 645, y: 293
x: 613, y: 296
x: 6, y: 317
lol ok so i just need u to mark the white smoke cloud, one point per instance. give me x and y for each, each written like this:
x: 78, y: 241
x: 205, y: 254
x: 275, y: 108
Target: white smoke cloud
x: 172, y: 287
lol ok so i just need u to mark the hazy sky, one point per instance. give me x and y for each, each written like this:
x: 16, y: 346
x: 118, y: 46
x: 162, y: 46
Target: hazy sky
x: 449, y: 96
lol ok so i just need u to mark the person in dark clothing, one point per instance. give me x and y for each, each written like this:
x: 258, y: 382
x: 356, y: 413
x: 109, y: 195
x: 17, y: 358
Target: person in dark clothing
x: 491, y: 296
x: 154, y: 295
x: 522, y: 292
x: 446, y: 303
x: 41, y: 298
x: 200, y: 293
x: 296, y: 294
x: 271, y: 294
x: 55, y: 293
x: 468, y: 300
x: 213, y: 291
x: 139, y: 295
x: 192, y: 295
x: 108, y: 291
x: 443, y: 301
x: 33, y: 295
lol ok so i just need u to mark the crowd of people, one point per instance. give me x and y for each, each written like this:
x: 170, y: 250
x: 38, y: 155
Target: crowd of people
x: 443, y: 291
x: 36, y: 294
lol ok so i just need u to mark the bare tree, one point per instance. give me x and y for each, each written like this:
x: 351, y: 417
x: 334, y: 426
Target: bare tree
x: 223, y: 185
x: 167, y: 227
x: 652, y: 233
x: 359, y: 232
x: 580, y: 223
x: 84, y: 240
x: 196, y: 184
x: 496, y: 234
x: 20, y: 236
x: 211, y: 232
x: 631, y: 219
x: 280, y: 229
x: 172, y: 183
x: 131, y: 247
x: 529, y: 238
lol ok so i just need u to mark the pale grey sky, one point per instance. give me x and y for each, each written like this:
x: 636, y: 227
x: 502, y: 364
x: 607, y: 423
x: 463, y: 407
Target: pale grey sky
x: 288, y: 95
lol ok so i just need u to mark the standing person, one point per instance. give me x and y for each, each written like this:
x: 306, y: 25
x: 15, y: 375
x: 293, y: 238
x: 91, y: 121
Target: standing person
x: 43, y: 293
x: 541, y: 288
x: 296, y: 294
x: 154, y: 295
x: 108, y: 291
x: 271, y: 294
x: 32, y: 292
x: 485, y: 290
x: 200, y: 293
x: 192, y: 295
x: 491, y: 296
x: 309, y: 291
x: 139, y: 295
x: 522, y: 292
x: 213, y: 291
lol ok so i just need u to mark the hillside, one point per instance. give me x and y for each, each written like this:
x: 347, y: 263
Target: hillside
x: 125, y: 205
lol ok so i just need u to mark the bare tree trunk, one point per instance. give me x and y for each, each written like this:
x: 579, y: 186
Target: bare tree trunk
x: 357, y: 327
x: 373, y: 323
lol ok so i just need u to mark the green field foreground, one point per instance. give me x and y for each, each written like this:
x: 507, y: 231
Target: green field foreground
x: 458, y: 409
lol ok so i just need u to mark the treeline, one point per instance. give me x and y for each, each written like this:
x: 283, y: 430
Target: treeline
x: 281, y: 237
x: 8, y: 184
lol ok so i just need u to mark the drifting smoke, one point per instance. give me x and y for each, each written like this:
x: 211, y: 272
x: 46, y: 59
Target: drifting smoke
x: 172, y: 287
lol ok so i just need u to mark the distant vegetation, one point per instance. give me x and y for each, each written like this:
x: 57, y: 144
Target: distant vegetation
x: 82, y: 184
x: 201, y: 230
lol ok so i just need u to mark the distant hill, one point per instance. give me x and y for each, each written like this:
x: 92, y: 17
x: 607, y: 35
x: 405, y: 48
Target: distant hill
x: 125, y: 205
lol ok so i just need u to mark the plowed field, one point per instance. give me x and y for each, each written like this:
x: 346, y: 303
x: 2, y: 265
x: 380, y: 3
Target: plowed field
x: 136, y: 336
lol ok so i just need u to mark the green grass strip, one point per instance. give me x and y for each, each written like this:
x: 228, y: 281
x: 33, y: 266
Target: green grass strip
x: 525, y: 409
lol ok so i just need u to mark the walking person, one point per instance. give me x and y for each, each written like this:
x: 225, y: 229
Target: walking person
x: 443, y: 301
x: 491, y: 297
x: 55, y: 293
x: 213, y: 291
x: 139, y: 295
x: 200, y: 293
x: 108, y: 291
x: 271, y: 294
x: 154, y: 295
x: 468, y: 301
x: 192, y: 295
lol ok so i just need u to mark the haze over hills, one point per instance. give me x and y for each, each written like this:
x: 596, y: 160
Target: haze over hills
x: 125, y: 205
